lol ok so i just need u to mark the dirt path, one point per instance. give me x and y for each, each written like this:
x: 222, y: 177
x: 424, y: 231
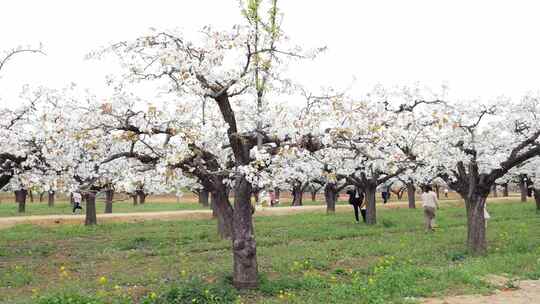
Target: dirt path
x: 528, y: 293
x: 52, y: 220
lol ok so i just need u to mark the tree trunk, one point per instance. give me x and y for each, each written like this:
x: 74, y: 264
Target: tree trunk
x: 371, y: 211
x: 297, y: 195
x: 523, y: 189
x: 142, y: 196
x: 109, y: 195
x: 20, y: 197
x: 222, y: 210
x: 41, y: 194
x: 505, y: 190
x: 330, y: 196
x: 313, y: 196
x: 494, y: 191
x: 50, y: 198
x: 244, y: 246
x: 135, y: 199
x: 256, y: 195
x: 91, y: 218
x: 203, y: 197
x: 437, y: 190
x: 411, y: 191
x: 476, y: 224
x: 277, y: 193
x: 31, y: 195
x: 537, y: 199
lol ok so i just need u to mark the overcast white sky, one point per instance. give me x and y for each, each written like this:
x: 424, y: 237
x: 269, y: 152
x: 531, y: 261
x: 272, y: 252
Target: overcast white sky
x: 480, y: 48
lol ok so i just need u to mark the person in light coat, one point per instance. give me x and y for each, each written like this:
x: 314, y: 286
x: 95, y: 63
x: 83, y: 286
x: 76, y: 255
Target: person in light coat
x: 430, y: 203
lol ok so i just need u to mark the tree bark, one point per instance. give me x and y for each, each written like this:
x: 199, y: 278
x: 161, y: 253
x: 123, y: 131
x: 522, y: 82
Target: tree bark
x: 142, y: 196
x: 523, y: 189
x: 203, y: 197
x: 244, y: 245
x: 330, y: 196
x: 91, y: 217
x: 50, y: 198
x: 109, y: 195
x: 476, y: 224
x: 371, y: 209
x: 313, y: 196
x: 297, y: 195
x: 505, y: 190
x: 256, y: 196
x: 494, y: 191
x: 31, y: 195
x: 411, y: 191
x: 277, y: 192
x: 134, y: 196
x: 20, y: 197
x: 537, y: 199
x: 222, y: 210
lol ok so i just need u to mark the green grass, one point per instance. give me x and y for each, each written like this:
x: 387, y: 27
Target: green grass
x: 305, y: 258
x: 8, y: 209
x: 62, y: 207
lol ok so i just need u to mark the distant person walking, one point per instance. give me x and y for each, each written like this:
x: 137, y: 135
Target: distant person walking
x: 356, y: 198
x: 77, y: 198
x: 385, y: 194
x: 430, y: 203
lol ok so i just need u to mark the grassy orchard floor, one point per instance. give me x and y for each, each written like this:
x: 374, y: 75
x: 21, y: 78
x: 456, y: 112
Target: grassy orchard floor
x: 306, y: 258
x: 8, y: 208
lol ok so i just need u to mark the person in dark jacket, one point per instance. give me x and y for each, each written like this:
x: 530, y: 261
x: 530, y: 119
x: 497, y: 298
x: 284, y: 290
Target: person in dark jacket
x: 356, y: 198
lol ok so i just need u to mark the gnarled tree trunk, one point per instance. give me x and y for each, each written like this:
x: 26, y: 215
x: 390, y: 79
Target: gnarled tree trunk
x: 505, y: 190
x: 31, y: 195
x: 91, y: 217
x: 109, y: 195
x: 142, y: 196
x: 203, y: 197
x: 494, y: 191
x: 50, y: 198
x: 244, y: 245
x: 330, y: 196
x: 313, y: 196
x: 411, y: 191
x: 20, y: 198
x: 371, y: 211
x: 222, y: 210
x: 256, y: 196
x: 297, y: 193
x: 537, y: 199
x: 476, y: 224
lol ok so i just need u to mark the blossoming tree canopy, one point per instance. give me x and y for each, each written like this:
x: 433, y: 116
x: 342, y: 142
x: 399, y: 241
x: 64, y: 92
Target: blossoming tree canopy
x: 16, y: 145
x: 477, y: 145
x: 227, y: 67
